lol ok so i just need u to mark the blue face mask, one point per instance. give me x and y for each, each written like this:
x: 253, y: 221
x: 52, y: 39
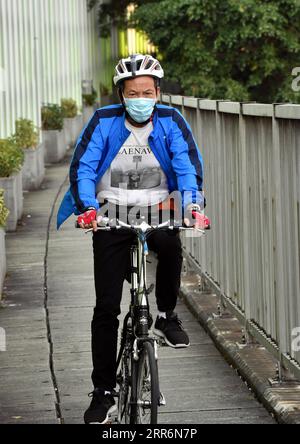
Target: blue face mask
x: 140, y: 110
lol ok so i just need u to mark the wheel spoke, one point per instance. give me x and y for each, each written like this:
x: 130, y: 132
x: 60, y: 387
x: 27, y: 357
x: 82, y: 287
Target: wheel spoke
x: 124, y: 392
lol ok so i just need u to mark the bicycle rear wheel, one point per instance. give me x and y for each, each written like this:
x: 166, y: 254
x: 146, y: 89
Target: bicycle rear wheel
x: 147, y: 388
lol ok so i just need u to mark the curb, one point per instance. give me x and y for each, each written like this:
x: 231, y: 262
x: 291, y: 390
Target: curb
x: 253, y: 362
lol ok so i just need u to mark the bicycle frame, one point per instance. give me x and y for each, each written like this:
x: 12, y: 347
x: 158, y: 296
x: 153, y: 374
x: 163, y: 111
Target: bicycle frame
x: 135, y: 339
x: 136, y: 331
x: 139, y: 306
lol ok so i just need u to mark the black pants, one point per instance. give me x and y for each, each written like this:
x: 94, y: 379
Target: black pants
x: 111, y: 264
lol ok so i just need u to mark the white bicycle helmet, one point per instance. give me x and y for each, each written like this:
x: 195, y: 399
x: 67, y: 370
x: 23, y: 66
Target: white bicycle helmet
x: 138, y: 65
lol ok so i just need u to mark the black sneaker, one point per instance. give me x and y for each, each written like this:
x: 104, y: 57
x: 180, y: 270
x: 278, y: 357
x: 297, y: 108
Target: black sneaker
x: 171, y: 330
x: 102, y: 406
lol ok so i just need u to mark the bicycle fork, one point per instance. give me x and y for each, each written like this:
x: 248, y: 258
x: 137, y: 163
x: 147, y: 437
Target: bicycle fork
x: 139, y: 290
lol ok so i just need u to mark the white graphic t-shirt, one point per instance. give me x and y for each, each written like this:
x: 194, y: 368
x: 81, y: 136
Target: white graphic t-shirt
x: 135, y: 176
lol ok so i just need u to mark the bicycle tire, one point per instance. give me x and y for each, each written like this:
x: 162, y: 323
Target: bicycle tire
x: 132, y: 399
x: 126, y: 404
x: 123, y: 400
x: 147, y: 386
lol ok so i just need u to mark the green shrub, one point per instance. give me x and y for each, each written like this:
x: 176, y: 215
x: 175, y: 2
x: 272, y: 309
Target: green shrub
x: 26, y: 135
x: 11, y: 157
x: 104, y: 90
x: 3, y: 210
x: 52, y: 117
x: 69, y: 108
x: 90, y: 99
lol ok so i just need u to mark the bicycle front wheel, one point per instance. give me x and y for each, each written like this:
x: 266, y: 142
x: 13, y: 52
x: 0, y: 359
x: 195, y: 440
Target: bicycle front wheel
x: 147, y: 389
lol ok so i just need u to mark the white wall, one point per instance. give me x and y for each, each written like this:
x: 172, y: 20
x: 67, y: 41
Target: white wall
x: 47, y: 47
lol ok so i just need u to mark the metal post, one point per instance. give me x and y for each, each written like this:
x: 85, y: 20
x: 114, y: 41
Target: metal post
x: 199, y: 134
x: 245, y: 234
x: 182, y: 106
x: 220, y: 161
x: 279, y: 250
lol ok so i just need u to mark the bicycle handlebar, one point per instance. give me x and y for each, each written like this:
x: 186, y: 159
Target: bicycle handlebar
x: 141, y: 227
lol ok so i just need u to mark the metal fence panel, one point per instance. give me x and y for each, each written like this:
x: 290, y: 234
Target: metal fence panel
x: 290, y: 196
x: 251, y: 156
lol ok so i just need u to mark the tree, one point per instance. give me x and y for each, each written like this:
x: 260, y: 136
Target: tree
x: 112, y: 12
x: 229, y: 49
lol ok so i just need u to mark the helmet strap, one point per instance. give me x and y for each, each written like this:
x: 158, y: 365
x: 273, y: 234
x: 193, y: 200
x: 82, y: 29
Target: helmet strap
x: 121, y: 96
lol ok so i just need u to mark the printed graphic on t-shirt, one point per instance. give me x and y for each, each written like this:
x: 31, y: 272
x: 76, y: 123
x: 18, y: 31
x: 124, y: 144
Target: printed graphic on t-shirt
x: 137, y: 177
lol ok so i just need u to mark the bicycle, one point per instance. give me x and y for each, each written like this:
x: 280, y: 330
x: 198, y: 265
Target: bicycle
x: 139, y: 395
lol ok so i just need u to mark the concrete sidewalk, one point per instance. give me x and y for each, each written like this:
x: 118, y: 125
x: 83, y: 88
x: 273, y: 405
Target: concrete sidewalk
x: 45, y: 372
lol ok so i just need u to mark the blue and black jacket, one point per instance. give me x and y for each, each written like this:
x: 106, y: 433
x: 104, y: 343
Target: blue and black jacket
x: 171, y: 141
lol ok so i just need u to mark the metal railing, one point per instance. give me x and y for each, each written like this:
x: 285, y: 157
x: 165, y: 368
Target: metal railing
x: 251, y: 257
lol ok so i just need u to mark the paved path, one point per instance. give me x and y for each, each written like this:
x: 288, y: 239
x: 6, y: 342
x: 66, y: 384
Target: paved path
x: 45, y: 372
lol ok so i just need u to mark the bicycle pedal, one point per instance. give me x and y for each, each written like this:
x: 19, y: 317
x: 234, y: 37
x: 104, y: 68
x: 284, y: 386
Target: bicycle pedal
x: 162, y: 400
x: 115, y: 394
x: 112, y: 419
x: 160, y: 341
x: 150, y: 289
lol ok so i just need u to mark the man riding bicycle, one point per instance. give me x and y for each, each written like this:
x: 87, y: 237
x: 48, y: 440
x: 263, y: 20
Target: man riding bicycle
x: 130, y: 157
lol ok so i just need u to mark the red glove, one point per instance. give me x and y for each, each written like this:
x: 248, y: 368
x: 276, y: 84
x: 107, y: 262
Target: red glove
x: 200, y: 221
x: 87, y: 217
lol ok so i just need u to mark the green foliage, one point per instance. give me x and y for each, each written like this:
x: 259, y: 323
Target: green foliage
x: 113, y: 12
x: 90, y: 99
x: 3, y: 210
x: 229, y: 49
x: 237, y: 50
x: 91, y: 4
x: 52, y: 117
x: 11, y: 157
x: 26, y: 135
x: 104, y: 91
x: 109, y: 13
x: 69, y: 108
